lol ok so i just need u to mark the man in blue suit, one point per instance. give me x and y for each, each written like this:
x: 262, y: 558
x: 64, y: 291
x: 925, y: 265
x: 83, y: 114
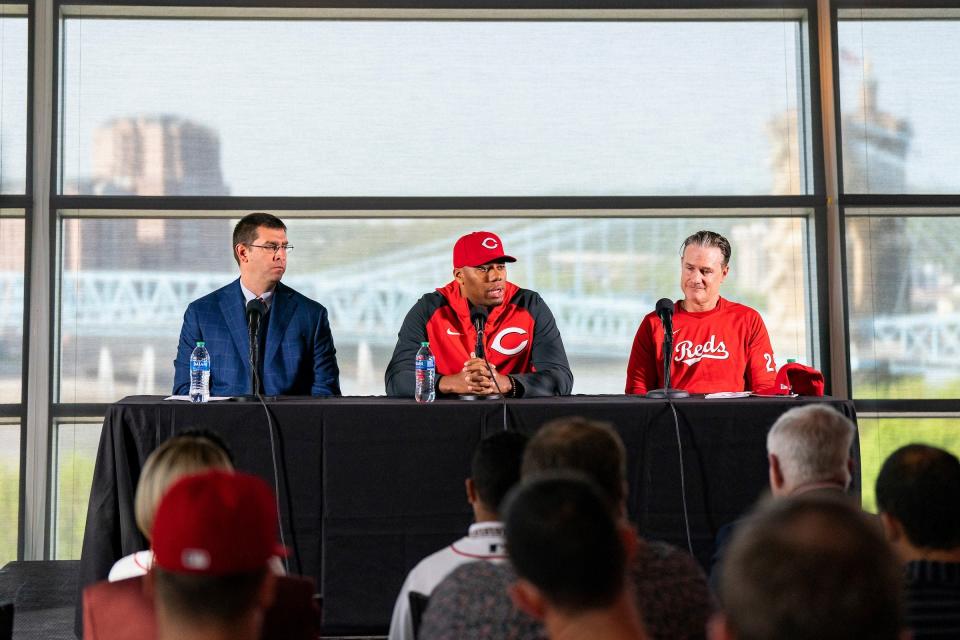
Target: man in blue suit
x: 298, y: 356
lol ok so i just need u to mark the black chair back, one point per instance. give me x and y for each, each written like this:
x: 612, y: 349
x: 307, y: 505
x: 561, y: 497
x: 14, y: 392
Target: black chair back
x: 418, y: 604
x: 6, y: 621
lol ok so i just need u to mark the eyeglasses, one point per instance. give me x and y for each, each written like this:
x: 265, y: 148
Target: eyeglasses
x: 273, y: 247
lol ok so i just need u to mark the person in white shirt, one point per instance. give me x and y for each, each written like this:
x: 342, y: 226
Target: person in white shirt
x: 495, y: 469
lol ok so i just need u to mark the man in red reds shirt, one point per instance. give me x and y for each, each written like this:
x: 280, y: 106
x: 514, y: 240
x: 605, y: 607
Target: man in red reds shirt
x: 521, y: 339
x: 718, y: 345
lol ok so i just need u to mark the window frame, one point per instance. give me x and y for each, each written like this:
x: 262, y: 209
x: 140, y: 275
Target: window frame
x: 54, y: 202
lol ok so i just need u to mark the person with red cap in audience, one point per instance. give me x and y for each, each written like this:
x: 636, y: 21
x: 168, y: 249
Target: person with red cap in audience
x: 214, y: 541
x: 213, y: 537
x: 718, y: 345
x: 521, y: 342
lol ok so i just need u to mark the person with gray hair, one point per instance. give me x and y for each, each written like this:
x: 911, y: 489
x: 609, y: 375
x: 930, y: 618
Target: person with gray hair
x: 718, y: 344
x: 808, y: 451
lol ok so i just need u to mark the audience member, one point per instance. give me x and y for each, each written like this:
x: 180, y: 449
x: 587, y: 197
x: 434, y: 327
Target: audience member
x: 670, y: 588
x: 494, y: 471
x: 810, y: 567
x: 570, y: 549
x: 671, y: 591
x: 213, y: 541
x: 918, y: 494
x: 472, y: 603
x: 674, y: 604
x: 808, y: 451
x: 177, y: 457
x: 213, y: 535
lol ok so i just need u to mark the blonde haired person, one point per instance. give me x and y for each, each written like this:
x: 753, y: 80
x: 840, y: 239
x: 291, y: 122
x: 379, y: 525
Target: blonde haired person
x: 175, y: 458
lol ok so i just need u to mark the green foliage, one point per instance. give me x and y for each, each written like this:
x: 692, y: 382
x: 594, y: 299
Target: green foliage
x: 9, y: 506
x: 871, y: 386
x: 74, y: 480
x: 879, y: 437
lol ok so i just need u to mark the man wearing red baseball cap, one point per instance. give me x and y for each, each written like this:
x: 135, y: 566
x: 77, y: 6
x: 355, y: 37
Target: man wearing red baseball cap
x: 213, y: 536
x: 521, y: 341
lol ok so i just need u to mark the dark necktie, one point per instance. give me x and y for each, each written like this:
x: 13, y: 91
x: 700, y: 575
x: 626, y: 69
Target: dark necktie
x: 264, y: 327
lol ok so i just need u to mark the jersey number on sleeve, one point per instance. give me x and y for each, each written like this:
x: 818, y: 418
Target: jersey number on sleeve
x: 769, y: 359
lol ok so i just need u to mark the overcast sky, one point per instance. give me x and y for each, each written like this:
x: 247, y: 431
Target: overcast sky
x: 483, y: 108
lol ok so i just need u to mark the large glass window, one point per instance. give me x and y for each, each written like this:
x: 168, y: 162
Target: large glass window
x: 13, y: 98
x: 12, y: 242
x: 12, y: 245
x: 14, y: 103
x: 903, y: 292
x: 385, y: 107
x: 900, y: 102
x: 124, y: 286
x: 326, y: 103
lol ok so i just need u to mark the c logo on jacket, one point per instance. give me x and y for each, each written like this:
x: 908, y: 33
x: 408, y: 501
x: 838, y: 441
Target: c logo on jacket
x: 498, y: 344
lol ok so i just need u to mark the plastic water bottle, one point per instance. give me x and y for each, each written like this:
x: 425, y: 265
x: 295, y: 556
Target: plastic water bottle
x: 425, y: 368
x: 200, y: 374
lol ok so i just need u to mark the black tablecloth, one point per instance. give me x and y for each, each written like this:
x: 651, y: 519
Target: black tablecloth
x: 368, y: 486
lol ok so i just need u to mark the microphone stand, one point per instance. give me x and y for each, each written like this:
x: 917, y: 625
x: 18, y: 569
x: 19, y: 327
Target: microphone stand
x: 255, y: 311
x: 666, y: 392
x: 479, y: 321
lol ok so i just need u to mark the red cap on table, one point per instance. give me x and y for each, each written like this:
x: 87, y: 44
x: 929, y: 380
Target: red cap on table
x: 800, y: 379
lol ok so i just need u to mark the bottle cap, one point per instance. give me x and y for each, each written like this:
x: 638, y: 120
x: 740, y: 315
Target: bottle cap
x: 424, y: 344
x: 201, y: 343
x: 791, y: 360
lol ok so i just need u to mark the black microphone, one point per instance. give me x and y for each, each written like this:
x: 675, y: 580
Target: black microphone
x: 256, y: 309
x: 665, y: 313
x: 478, y: 315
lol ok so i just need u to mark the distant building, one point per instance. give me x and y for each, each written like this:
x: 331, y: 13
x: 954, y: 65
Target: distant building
x: 875, y: 146
x: 874, y: 161
x: 151, y: 156
x: 156, y: 156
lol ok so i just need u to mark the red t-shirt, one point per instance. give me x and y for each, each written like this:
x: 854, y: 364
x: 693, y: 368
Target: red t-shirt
x: 724, y: 349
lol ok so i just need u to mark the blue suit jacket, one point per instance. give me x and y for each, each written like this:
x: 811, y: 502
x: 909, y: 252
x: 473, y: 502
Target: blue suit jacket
x: 299, y: 357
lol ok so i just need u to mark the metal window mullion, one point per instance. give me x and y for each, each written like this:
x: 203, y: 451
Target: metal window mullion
x: 37, y: 459
x: 835, y: 292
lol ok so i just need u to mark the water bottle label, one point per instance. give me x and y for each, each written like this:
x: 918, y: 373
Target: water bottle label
x: 203, y: 365
x: 425, y: 363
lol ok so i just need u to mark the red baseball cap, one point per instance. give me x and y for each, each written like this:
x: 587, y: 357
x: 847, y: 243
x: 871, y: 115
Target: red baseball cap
x: 477, y: 248
x: 800, y: 379
x: 216, y: 523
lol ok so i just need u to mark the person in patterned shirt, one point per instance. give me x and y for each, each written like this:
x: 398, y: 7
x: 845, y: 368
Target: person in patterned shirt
x: 718, y: 345
x: 918, y: 489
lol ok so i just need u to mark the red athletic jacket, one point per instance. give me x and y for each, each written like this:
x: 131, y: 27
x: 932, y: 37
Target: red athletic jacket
x: 521, y: 336
x: 724, y: 349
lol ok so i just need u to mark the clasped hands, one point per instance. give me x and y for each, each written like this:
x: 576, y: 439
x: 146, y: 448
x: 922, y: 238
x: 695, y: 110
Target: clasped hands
x: 475, y: 379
